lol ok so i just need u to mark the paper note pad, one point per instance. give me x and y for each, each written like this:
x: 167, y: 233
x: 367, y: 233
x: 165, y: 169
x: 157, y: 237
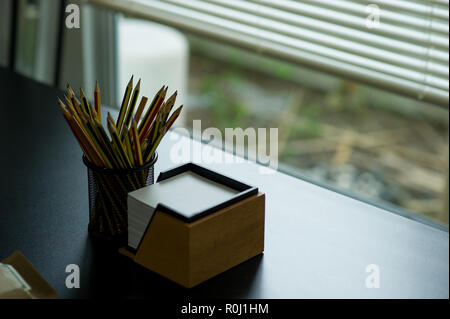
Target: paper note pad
x: 187, y: 193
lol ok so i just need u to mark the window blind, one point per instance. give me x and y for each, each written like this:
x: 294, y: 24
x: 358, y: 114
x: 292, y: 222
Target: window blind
x: 398, y: 45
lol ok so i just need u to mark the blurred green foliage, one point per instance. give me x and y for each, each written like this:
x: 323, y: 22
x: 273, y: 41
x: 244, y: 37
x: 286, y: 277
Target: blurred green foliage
x: 225, y: 100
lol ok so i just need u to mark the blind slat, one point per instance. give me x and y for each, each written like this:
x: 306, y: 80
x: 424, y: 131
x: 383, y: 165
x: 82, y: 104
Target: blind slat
x: 417, y: 75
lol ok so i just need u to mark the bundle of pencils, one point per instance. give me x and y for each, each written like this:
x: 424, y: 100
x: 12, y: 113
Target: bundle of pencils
x: 133, y: 138
x: 130, y: 145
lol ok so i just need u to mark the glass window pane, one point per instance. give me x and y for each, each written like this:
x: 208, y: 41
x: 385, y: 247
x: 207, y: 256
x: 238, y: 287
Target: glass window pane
x: 37, y: 30
x: 362, y: 141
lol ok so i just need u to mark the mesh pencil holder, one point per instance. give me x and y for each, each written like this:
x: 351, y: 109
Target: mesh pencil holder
x: 108, y: 192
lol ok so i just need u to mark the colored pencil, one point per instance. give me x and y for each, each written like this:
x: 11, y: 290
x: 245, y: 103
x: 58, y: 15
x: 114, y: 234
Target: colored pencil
x: 97, y: 101
x: 85, y: 103
x: 140, y: 109
x: 123, y: 107
x: 130, y: 108
x: 132, y: 137
x: 136, y: 144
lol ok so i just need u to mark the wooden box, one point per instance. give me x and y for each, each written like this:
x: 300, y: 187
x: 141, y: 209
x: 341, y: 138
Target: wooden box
x: 189, y: 249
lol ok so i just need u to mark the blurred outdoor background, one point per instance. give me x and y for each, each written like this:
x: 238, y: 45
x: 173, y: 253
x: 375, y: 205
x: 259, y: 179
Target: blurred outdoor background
x: 372, y: 143
x: 376, y: 145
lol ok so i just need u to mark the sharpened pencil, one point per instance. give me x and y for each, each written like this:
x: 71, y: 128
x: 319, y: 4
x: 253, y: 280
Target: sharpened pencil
x: 127, y: 144
x: 136, y: 144
x: 116, y: 140
x: 85, y: 103
x: 173, y: 118
x: 130, y: 108
x: 123, y: 107
x: 151, y: 112
x: 140, y: 109
x: 97, y: 101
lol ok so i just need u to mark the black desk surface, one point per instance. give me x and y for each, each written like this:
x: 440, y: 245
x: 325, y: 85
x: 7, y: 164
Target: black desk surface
x: 318, y: 243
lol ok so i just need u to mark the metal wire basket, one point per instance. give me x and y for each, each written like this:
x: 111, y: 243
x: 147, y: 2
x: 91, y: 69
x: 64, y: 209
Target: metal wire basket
x: 108, y: 191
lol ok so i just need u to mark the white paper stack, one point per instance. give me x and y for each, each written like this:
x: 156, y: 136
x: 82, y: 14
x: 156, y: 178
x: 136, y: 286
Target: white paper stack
x: 186, y: 193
